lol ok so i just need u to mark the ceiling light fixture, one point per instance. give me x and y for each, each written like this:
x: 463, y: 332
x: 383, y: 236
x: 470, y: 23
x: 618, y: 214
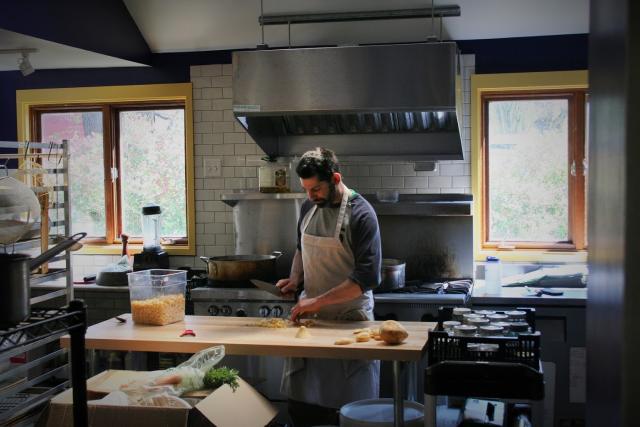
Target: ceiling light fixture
x: 24, y: 65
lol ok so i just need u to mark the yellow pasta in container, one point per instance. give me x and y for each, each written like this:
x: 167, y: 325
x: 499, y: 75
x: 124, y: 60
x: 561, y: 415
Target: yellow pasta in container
x: 157, y: 296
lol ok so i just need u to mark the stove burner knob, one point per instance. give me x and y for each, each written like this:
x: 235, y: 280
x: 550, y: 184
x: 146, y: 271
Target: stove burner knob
x: 264, y: 311
x: 226, y: 310
x: 241, y: 312
x: 276, y: 311
x: 213, y: 310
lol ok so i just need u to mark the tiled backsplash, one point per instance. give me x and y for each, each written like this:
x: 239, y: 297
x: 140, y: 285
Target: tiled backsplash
x: 218, y: 135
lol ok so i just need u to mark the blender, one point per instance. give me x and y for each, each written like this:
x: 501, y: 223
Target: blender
x: 152, y: 255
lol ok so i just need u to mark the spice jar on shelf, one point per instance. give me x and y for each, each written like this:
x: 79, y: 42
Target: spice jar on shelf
x: 273, y: 176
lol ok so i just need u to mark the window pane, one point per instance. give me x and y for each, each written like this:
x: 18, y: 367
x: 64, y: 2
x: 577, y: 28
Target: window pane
x: 86, y: 166
x: 528, y: 170
x: 152, y: 162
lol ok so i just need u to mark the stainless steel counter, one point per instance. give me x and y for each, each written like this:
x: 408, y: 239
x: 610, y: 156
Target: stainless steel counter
x: 575, y: 297
x: 232, y: 199
x: 400, y: 298
x: 87, y: 287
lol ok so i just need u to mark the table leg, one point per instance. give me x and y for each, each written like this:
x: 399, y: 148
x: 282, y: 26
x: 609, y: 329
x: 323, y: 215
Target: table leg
x: 411, y: 381
x: 398, y: 399
x: 429, y: 410
x: 93, y: 362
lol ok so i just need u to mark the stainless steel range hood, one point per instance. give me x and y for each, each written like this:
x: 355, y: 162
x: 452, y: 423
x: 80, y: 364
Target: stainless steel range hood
x: 378, y: 103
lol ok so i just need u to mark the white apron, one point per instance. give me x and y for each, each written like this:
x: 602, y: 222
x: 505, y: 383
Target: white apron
x: 327, y: 382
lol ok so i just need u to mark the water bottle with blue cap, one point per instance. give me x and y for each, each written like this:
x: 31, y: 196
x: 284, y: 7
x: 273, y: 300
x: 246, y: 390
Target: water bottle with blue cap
x: 492, y: 275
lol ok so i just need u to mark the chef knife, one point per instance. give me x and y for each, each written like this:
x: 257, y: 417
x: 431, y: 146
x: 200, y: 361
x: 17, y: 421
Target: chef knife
x: 268, y: 287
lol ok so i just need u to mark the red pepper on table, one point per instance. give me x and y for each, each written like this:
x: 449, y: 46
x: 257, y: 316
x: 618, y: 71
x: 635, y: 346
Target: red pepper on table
x: 188, y: 332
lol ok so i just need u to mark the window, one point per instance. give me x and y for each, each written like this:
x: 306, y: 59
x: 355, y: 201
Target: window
x: 124, y: 154
x: 530, y: 161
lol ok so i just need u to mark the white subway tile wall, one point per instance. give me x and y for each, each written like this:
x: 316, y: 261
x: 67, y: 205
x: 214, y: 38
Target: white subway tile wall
x: 218, y: 135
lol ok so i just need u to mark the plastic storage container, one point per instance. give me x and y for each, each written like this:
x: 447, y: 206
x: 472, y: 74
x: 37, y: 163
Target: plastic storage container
x: 492, y: 276
x: 157, y: 296
x: 379, y: 413
x: 273, y: 177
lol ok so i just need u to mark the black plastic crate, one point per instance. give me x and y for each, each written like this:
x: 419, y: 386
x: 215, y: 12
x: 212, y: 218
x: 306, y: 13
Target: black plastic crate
x: 524, y: 348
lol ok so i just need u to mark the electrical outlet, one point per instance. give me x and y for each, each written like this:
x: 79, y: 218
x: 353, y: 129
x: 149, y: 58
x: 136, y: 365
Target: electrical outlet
x: 212, y: 167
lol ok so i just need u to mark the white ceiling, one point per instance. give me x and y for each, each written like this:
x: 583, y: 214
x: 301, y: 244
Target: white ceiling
x: 203, y: 25
x: 171, y: 26
x: 52, y: 55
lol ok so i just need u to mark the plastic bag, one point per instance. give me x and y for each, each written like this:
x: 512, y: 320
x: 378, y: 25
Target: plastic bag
x: 187, y: 376
x: 192, y: 372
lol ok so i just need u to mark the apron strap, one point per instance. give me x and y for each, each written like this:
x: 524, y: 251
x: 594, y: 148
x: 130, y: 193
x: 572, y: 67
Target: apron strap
x: 343, y: 209
x: 339, y: 222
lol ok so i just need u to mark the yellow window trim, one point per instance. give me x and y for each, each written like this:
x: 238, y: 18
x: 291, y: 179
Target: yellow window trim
x: 25, y: 99
x: 508, y: 82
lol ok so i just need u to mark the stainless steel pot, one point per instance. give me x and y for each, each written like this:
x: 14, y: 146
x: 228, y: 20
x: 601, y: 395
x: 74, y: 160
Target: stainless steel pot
x: 242, y: 267
x: 392, y: 274
x: 15, y: 303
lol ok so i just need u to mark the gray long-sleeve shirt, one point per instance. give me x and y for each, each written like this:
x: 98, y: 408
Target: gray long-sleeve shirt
x: 360, y: 234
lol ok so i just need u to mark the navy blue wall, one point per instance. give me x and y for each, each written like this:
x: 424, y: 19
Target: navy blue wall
x: 167, y: 68
x: 103, y: 26
x: 10, y: 81
x: 529, y: 54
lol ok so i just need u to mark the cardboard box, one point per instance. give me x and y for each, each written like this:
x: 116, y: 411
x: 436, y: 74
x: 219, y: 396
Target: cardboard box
x: 221, y: 408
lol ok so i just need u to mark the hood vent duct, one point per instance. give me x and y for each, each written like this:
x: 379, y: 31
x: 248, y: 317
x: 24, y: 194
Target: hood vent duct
x: 377, y: 103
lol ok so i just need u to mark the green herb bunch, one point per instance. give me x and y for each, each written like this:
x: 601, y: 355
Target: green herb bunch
x: 223, y: 375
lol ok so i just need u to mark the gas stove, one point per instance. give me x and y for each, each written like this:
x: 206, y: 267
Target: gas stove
x: 241, y: 302
x: 419, y: 301
x: 238, y: 298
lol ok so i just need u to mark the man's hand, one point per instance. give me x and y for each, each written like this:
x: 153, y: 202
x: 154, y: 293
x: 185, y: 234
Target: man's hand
x: 305, y: 305
x: 287, y: 286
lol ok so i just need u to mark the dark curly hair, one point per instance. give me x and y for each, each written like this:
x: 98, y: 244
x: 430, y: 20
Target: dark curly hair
x: 320, y: 162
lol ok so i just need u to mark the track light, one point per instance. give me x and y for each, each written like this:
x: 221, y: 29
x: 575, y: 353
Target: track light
x: 24, y: 65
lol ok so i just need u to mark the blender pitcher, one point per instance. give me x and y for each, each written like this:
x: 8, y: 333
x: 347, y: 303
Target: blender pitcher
x: 151, y: 228
x: 152, y: 255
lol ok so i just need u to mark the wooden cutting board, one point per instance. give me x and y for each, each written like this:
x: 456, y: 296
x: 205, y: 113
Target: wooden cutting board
x: 240, y: 336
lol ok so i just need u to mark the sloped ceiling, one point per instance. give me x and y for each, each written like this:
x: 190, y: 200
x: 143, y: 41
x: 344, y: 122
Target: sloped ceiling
x: 169, y: 26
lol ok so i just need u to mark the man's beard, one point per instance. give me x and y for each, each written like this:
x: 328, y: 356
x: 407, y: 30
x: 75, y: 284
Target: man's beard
x: 324, y: 203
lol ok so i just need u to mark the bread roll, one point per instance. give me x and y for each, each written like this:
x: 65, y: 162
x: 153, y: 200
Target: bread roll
x: 393, y: 332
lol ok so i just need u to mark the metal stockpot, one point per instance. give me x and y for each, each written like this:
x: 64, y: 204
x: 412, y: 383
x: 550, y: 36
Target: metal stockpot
x: 15, y: 302
x: 242, y: 267
x: 392, y: 274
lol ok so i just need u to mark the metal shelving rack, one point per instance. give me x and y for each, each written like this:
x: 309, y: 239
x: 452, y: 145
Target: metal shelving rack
x: 52, y: 159
x: 44, y: 326
x: 44, y: 167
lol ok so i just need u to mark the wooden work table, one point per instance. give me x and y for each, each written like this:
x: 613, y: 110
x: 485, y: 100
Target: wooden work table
x: 240, y: 337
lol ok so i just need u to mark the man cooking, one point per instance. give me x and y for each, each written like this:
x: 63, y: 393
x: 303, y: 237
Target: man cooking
x: 338, y: 259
